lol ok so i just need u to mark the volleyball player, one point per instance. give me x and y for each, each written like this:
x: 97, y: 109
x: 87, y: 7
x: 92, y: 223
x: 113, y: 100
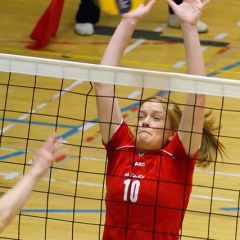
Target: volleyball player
x: 150, y: 170
x: 13, y: 200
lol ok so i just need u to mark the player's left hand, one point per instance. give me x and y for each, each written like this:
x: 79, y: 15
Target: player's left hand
x: 188, y: 11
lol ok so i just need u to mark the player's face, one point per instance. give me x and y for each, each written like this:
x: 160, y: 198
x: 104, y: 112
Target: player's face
x: 153, y: 128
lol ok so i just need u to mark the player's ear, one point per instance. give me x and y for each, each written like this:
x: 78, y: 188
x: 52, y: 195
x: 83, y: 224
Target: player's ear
x: 172, y: 133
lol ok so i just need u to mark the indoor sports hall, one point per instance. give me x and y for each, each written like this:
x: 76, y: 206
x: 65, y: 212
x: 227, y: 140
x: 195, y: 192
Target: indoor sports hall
x: 51, y: 89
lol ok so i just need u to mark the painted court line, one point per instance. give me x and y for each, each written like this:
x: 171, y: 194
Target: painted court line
x: 204, y: 48
x: 62, y: 211
x: 141, y: 41
x: 134, y: 45
x: 35, y: 123
x: 221, y: 36
x: 230, y: 209
x: 160, y: 28
x: 134, y: 94
x: 86, y: 126
x: 213, y: 198
x: 179, y: 64
x: 15, y: 154
x: 87, y: 184
x: 40, y: 106
x: 11, y: 175
x: 224, y: 69
x: 218, y: 173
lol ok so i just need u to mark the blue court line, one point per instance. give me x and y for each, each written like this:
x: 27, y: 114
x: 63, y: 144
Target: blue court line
x: 76, y: 129
x: 230, y: 209
x: 62, y: 211
x: 224, y: 69
x: 87, y: 210
x: 35, y: 123
x: 12, y: 155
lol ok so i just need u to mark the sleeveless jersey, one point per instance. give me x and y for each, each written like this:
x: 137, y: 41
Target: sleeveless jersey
x: 147, y: 194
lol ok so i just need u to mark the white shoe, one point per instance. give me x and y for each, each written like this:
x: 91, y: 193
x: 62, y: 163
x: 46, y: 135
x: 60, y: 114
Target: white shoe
x: 85, y: 29
x: 174, y: 23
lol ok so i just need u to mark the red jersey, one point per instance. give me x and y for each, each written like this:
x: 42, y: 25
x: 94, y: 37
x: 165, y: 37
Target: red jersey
x: 147, y: 194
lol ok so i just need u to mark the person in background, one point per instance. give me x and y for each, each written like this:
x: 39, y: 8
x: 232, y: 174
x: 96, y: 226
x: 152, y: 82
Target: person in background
x: 13, y: 200
x: 88, y: 15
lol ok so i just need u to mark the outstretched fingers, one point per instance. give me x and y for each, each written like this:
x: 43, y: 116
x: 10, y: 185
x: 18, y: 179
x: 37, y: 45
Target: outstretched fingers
x: 140, y: 11
x: 205, y: 2
x: 149, y: 5
x: 48, y: 152
x: 49, y: 143
x: 171, y: 3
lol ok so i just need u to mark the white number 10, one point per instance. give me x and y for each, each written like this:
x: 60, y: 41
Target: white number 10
x: 133, y: 190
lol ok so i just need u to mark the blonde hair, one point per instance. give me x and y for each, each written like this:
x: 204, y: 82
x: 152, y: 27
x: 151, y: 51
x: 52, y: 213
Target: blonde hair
x: 210, y: 145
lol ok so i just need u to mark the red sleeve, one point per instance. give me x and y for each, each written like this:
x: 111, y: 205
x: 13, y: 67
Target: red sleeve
x: 121, y: 141
x: 182, y: 163
x: 175, y: 147
x: 122, y: 136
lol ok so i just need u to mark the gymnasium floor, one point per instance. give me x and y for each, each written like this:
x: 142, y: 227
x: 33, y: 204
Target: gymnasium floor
x: 213, y: 209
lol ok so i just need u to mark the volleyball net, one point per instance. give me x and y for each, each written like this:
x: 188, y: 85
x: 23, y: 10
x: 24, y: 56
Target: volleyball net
x: 39, y: 96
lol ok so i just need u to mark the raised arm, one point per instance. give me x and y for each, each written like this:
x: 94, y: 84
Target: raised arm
x: 13, y: 200
x: 193, y: 114
x: 109, y: 113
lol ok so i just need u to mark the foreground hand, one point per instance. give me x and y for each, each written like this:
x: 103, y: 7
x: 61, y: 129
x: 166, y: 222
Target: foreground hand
x: 46, y: 155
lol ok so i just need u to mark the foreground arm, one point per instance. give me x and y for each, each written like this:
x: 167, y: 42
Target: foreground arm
x: 191, y: 124
x: 107, y: 106
x: 13, y: 200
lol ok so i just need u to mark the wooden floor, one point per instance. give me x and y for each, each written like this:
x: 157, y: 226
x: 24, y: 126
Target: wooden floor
x: 213, y: 208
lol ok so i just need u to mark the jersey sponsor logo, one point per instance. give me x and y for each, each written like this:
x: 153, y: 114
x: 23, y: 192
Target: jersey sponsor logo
x: 132, y: 175
x: 139, y: 164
